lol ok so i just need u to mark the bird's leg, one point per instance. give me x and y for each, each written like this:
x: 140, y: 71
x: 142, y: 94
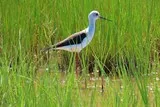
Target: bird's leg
x: 102, y: 80
x: 102, y: 83
x: 78, y: 64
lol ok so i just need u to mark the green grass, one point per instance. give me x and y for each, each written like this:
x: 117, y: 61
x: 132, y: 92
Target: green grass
x: 127, y: 46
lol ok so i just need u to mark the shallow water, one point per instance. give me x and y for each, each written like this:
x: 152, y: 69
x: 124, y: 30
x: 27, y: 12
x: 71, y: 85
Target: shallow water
x: 113, y: 86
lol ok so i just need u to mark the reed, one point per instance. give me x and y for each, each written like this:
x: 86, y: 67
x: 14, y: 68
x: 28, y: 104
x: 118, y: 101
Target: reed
x: 126, y: 48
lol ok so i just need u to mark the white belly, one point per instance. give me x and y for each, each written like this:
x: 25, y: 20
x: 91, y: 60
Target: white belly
x: 79, y: 47
x: 76, y: 47
x: 71, y: 48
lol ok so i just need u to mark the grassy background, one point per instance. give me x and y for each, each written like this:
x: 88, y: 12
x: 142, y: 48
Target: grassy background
x: 130, y: 44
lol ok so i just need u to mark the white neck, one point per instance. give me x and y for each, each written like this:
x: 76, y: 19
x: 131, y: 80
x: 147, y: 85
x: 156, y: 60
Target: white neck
x: 90, y: 33
x: 91, y: 27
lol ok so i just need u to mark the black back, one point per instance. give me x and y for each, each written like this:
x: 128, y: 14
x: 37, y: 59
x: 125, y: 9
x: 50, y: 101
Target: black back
x: 74, y: 39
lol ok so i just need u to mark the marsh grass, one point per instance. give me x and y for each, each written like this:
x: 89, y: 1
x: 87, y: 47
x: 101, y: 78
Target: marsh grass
x: 128, y: 47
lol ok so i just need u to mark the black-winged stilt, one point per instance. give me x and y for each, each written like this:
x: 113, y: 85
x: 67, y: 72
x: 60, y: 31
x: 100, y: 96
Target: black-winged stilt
x: 77, y: 41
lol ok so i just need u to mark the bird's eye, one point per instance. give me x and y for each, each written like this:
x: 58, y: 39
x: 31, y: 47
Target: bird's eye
x: 96, y: 14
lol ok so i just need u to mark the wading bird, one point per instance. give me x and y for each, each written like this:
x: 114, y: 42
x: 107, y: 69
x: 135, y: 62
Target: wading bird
x: 77, y: 41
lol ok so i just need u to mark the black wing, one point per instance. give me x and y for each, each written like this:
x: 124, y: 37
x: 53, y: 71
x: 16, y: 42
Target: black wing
x: 76, y: 38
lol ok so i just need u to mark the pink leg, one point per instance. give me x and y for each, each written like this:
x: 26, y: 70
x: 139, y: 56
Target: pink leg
x: 102, y: 83
x: 77, y: 65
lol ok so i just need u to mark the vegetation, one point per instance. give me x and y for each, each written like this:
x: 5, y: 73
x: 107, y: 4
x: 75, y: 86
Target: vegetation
x: 127, y: 49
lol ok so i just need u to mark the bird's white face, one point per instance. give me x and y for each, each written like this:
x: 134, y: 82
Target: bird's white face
x: 94, y: 15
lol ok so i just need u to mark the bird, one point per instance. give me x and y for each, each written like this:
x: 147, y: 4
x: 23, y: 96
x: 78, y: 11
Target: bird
x: 78, y: 41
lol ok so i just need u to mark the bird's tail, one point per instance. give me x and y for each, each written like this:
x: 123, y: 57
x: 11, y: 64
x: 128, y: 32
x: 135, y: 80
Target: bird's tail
x: 47, y: 48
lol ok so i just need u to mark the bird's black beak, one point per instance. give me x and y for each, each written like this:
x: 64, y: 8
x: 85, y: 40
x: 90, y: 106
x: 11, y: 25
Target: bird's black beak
x: 104, y: 18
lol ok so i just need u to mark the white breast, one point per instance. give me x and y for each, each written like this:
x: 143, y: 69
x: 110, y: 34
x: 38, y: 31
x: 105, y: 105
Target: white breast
x: 79, y: 47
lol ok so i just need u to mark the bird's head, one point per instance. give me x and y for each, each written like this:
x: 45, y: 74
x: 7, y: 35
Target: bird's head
x: 94, y: 15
